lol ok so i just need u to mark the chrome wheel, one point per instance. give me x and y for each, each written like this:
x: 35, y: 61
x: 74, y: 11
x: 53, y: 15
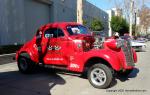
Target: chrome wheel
x: 98, y: 76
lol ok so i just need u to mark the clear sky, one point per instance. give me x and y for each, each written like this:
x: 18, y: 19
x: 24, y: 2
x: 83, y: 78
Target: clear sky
x: 108, y: 4
x: 103, y: 4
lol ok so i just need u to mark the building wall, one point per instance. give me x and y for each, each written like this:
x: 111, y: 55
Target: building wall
x: 64, y: 10
x: 11, y: 21
x: 20, y: 19
x: 36, y: 14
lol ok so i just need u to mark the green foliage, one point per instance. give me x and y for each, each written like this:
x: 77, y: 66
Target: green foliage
x: 96, y: 25
x: 85, y: 22
x: 119, y: 24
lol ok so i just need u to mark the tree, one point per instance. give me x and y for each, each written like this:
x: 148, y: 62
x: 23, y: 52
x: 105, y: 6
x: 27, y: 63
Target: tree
x: 96, y: 25
x: 125, y: 5
x: 85, y: 22
x: 119, y: 24
x: 145, y: 18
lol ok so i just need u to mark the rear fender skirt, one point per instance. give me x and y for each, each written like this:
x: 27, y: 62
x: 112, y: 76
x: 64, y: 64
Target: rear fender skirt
x: 34, y: 57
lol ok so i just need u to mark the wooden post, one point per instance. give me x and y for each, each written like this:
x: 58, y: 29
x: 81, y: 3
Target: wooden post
x: 131, y: 16
x: 80, y: 11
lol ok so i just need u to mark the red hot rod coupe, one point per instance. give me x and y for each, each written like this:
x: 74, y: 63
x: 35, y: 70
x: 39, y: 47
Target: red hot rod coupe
x: 69, y: 46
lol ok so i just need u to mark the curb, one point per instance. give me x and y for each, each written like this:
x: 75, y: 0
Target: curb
x: 7, y: 54
x: 7, y: 58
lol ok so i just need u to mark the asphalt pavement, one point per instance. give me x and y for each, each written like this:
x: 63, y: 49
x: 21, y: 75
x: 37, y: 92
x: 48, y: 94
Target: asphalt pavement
x: 45, y: 82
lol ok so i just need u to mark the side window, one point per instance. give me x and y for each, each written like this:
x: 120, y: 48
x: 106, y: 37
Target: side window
x: 53, y: 33
x: 60, y: 33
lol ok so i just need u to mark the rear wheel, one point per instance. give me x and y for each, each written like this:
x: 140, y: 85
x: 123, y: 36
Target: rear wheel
x: 100, y: 76
x: 25, y: 64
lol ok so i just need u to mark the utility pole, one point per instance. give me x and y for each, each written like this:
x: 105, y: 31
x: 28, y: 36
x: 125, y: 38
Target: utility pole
x: 135, y: 20
x: 80, y: 11
x: 131, y: 16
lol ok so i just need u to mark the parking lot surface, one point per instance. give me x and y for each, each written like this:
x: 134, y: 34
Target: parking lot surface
x: 45, y: 82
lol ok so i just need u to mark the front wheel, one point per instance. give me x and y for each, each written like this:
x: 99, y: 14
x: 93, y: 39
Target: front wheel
x: 100, y: 76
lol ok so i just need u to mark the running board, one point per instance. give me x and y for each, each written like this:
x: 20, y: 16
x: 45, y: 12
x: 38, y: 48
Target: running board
x: 56, y: 67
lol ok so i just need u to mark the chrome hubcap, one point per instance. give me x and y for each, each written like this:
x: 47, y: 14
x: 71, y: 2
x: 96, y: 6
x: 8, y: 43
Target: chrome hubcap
x: 98, y: 76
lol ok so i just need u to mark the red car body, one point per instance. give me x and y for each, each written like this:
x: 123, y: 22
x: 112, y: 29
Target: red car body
x: 74, y: 52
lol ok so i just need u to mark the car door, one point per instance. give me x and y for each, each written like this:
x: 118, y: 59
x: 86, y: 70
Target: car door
x: 40, y: 46
x: 58, y: 47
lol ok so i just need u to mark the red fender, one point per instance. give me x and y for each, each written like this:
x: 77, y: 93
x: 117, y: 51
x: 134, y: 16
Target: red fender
x: 107, y: 55
x: 26, y: 49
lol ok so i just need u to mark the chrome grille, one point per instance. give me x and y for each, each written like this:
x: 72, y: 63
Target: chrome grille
x: 127, y: 49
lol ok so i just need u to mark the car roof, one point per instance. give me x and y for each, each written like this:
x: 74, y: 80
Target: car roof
x: 61, y: 24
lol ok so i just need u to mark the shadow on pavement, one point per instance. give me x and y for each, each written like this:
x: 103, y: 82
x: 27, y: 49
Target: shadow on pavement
x: 113, y: 83
x: 140, y: 50
x: 41, y: 83
x: 133, y: 74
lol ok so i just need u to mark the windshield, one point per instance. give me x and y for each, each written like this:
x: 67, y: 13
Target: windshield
x: 77, y: 29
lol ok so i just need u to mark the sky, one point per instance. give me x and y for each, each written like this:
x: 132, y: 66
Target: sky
x: 108, y: 4
x: 103, y: 4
